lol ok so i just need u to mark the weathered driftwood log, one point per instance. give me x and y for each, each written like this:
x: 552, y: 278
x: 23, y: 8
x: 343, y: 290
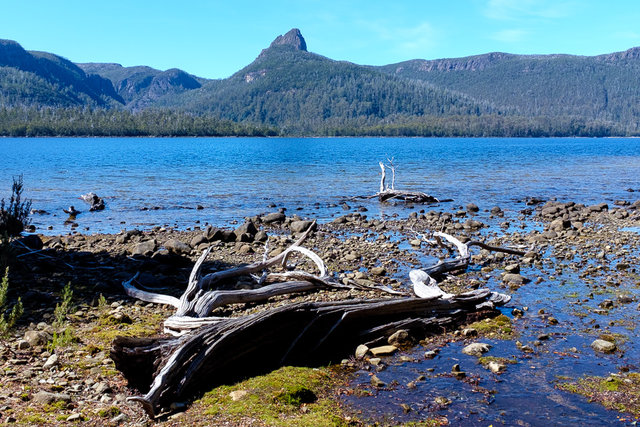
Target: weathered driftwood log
x: 387, y: 193
x: 211, y: 350
x: 171, y: 370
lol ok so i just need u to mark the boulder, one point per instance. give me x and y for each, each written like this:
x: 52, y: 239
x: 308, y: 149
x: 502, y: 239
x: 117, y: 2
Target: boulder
x: 515, y: 279
x: 361, y: 351
x: 472, y: 207
x: 177, y: 247
x: 146, y: 248
x: 198, y: 240
x: 300, y: 226
x: 247, y: 228
x: 476, y: 349
x: 273, y: 217
x: 399, y: 338
x: 36, y: 338
x: 603, y: 346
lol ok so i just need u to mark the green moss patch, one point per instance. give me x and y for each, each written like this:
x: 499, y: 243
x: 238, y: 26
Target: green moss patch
x: 499, y: 327
x: 289, y: 396
x: 618, y: 392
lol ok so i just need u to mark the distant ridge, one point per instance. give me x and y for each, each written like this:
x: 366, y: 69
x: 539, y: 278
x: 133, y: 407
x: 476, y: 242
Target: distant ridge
x: 302, y: 93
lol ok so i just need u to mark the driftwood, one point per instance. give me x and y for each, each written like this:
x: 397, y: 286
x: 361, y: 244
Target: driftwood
x: 205, y: 351
x: 388, y: 193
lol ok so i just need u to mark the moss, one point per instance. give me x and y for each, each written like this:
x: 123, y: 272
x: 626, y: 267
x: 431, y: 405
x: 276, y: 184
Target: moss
x: 32, y: 419
x: 498, y: 327
x: 619, y: 392
x: 485, y: 360
x: 289, y: 396
x: 110, y: 412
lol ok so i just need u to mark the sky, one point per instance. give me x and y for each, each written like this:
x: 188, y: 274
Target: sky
x: 214, y: 39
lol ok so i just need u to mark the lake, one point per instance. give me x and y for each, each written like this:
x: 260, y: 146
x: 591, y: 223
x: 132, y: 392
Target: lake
x: 161, y: 181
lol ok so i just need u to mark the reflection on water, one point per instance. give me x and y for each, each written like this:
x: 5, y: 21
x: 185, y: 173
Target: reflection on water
x: 162, y: 181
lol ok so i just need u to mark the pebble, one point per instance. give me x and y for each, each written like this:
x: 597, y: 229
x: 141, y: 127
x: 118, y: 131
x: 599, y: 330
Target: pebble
x: 384, y: 350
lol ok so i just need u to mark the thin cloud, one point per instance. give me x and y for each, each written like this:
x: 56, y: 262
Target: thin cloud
x: 413, y: 40
x: 510, y: 10
x: 510, y: 36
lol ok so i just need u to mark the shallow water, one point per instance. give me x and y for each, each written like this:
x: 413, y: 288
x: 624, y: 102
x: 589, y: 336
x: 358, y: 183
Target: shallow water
x: 236, y: 177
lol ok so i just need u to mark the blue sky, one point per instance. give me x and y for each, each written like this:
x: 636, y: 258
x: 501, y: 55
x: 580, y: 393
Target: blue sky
x: 216, y: 38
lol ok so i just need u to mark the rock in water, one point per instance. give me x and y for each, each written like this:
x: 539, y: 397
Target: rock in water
x: 97, y: 204
x: 603, y: 346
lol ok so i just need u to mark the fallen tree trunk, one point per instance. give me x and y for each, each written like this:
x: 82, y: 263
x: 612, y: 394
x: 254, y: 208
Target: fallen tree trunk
x: 299, y: 334
x: 207, y: 351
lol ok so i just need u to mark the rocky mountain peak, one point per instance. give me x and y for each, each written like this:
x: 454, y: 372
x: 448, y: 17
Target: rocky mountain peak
x: 292, y: 38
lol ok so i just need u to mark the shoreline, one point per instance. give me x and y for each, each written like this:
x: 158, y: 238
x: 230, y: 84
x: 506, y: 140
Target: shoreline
x: 563, y: 241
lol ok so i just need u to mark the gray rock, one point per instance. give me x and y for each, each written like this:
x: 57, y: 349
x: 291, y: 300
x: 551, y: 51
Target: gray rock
x: 146, y: 248
x: 247, y: 228
x: 102, y: 388
x: 74, y: 417
x: 603, y: 346
x: 51, y: 362
x: 361, y: 351
x: 273, y: 217
x: 384, y: 350
x: 378, y: 271
x: 261, y: 236
x: 300, y: 226
x: 497, y: 367
x: 198, y: 240
x: 177, y: 247
x: 36, y: 338
x: 377, y: 382
x: 472, y: 207
x: 45, y: 397
x: 515, y: 279
x: 400, y: 338
x: 476, y: 349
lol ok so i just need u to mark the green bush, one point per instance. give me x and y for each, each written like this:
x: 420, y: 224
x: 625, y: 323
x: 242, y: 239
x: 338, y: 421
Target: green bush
x: 14, y: 217
x: 16, y: 311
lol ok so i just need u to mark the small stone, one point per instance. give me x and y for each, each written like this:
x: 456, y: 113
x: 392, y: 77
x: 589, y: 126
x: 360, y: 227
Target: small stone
x: 472, y: 207
x: 497, y: 367
x: 102, y: 388
x: 476, y: 349
x: 375, y: 361
x: 51, y: 362
x: 469, y: 332
x: 23, y: 345
x: 74, y: 417
x: 430, y: 354
x: 603, y: 346
x: 378, y: 271
x: 442, y: 401
x: 119, y: 419
x: 405, y: 408
x: 515, y: 279
x: 512, y: 268
x: 361, y: 351
x: 415, y: 242
x: 384, y: 350
x: 238, y: 395
x: 377, y: 382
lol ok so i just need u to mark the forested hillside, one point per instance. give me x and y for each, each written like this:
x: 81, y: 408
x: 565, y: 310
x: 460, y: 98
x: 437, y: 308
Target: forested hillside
x: 605, y: 87
x: 288, y: 90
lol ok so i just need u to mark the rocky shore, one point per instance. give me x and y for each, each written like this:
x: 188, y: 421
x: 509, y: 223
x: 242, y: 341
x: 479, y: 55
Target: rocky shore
x: 56, y: 367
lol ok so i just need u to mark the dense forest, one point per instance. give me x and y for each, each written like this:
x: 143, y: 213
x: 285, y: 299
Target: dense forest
x: 288, y: 91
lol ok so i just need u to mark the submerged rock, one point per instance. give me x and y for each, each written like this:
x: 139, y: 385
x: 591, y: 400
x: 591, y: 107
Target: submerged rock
x: 603, y: 346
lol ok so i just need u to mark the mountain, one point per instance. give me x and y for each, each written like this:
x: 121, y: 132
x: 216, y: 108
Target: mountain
x: 140, y: 87
x: 604, y: 87
x: 298, y: 92
x: 43, y: 79
x: 289, y: 87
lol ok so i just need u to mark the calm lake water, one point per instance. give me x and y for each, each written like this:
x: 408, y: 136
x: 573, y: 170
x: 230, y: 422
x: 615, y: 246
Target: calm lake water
x: 159, y: 181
